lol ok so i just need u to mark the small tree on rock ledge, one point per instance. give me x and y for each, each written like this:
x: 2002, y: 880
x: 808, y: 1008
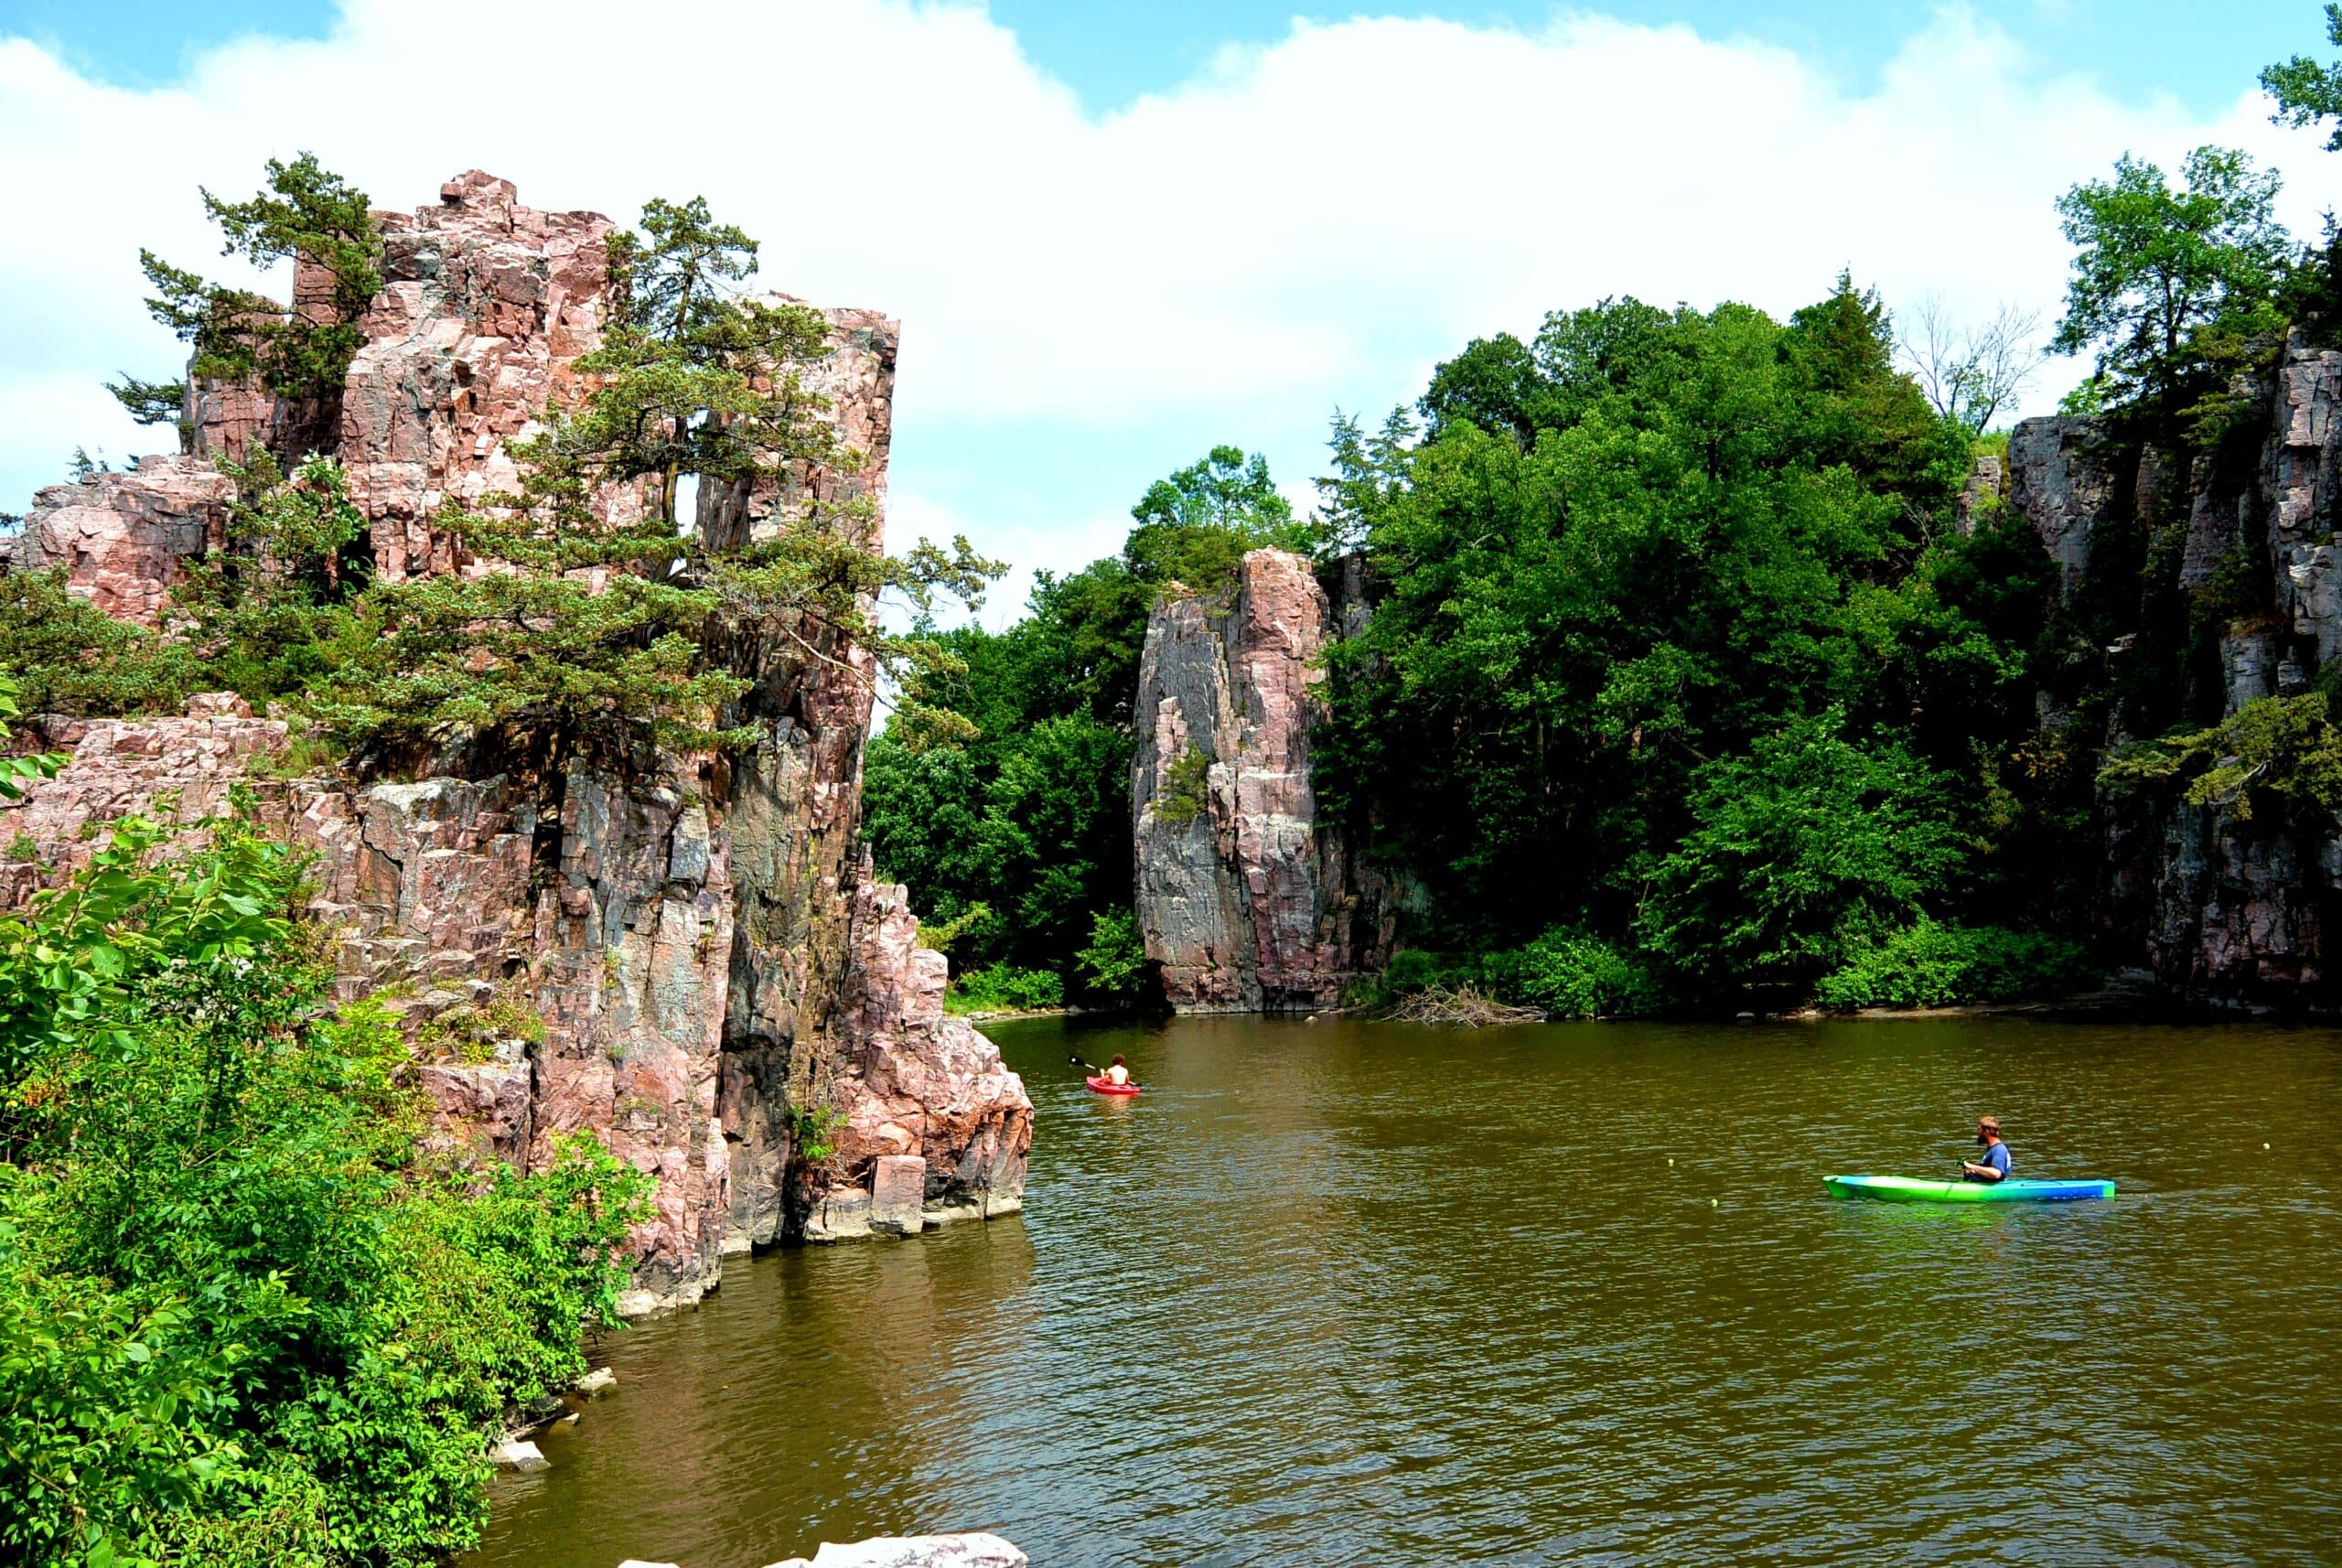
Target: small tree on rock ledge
x: 599, y: 612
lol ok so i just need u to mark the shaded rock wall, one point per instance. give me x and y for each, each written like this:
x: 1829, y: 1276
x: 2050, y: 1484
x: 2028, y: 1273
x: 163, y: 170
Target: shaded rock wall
x: 1245, y: 899
x: 2221, y: 908
x: 695, y: 932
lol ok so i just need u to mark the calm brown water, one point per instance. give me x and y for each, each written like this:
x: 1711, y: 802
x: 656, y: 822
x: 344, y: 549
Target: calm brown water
x: 1339, y: 1293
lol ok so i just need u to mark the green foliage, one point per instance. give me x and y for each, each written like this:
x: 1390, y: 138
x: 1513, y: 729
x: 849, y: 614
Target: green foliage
x: 305, y: 213
x: 615, y: 623
x: 1571, y: 975
x: 1114, y: 969
x: 268, y: 613
x: 2308, y: 93
x: 239, y: 1323
x: 1928, y: 964
x: 471, y: 1033
x: 1187, y: 793
x: 1805, y: 844
x: 155, y: 402
x: 2274, y: 752
x: 999, y: 988
x: 941, y: 934
x: 809, y: 1130
x: 16, y: 772
x: 2166, y: 282
x: 1196, y: 525
x: 68, y: 657
x: 1722, y: 524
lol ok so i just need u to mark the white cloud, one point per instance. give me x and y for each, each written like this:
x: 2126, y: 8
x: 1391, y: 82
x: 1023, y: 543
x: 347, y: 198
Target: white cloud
x: 1304, y: 224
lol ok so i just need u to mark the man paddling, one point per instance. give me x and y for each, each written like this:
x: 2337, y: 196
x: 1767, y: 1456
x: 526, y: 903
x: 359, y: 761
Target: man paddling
x: 1995, y: 1166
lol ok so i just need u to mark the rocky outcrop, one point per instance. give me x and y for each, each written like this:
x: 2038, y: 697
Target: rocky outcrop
x: 119, y: 537
x: 2224, y: 908
x: 2062, y: 479
x: 853, y: 389
x: 710, y: 978
x: 930, y: 1124
x: 486, y: 308
x: 1245, y: 899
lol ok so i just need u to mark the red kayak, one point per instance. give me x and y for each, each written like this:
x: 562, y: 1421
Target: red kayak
x: 1098, y: 1085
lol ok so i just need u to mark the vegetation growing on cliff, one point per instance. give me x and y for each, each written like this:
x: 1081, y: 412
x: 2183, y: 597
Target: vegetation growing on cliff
x: 243, y: 1320
x: 621, y: 620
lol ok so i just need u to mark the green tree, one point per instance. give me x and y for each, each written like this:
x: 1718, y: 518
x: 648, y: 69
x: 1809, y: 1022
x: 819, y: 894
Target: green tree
x: 305, y: 213
x: 2307, y: 92
x: 1797, y: 853
x: 2157, y: 268
x: 1196, y: 524
x: 243, y: 1321
x: 615, y: 621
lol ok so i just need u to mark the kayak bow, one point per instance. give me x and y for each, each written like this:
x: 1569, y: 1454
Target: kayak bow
x: 1915, y: 1189
x: 1098, y: 1085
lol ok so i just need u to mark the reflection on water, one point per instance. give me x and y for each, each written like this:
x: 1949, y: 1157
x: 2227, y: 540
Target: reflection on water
x: 1337, y: 1293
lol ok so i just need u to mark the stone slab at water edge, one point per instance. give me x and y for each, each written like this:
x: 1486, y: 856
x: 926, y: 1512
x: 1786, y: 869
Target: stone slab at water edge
x: 975, y: 1550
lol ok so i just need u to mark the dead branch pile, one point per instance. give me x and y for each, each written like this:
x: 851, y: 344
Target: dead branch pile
x: 1461, y: 1004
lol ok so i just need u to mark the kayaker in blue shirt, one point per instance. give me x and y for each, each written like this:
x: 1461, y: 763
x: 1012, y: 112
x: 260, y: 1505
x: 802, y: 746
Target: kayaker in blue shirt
x: 1995, y: 1166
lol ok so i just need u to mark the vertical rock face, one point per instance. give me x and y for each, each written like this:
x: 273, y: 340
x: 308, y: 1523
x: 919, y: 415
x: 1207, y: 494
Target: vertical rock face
x: 121, y: 537
x: 2222, y: 907
x: 1245, y: 898
x: 486, y: 308
x: 697, y: 934
x: 2063, y: 483
x: 226, y: 419
x: 856, y: 383
x: 2300, y: 473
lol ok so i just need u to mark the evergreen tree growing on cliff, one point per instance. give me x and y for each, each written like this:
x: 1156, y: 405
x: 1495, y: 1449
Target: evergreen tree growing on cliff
x: 615, y: 615
x: 305, y: 213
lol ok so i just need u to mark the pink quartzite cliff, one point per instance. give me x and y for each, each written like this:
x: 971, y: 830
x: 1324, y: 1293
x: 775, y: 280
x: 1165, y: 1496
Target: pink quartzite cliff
x: 713, y: 969
x: 1245, y: 899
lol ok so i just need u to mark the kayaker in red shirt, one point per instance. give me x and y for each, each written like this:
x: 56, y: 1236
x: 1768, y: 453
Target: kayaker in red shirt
x: 1993, y: 1167
x: 1116, y: 1073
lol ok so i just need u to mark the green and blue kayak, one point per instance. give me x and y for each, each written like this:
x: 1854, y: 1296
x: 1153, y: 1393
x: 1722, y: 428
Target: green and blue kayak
x: 1913, y: 1189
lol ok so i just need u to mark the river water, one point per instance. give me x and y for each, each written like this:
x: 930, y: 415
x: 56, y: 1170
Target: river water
x: 1345, y: 1292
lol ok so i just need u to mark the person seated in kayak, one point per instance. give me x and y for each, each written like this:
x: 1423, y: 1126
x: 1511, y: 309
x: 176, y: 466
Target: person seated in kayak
x: 1995, y: 1166
x: 1116, y: 1073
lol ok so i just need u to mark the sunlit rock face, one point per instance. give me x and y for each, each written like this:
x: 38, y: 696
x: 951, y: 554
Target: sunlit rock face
x: 119, y: 537
x: 486, y: 308
x: 697, y: 937
x: 1245, y: 899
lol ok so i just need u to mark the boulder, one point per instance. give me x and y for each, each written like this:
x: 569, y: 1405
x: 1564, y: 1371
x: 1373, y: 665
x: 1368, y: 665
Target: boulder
x: 121, y: 537
x: 978, y: 1550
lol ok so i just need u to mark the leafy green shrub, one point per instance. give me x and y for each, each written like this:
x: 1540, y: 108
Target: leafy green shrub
x: 1571, y: 975
x: 241, y: 1320
x: 1928, y: 964
x: 997, y: 988
x: 1186, y: 788
x: 1113, y: 967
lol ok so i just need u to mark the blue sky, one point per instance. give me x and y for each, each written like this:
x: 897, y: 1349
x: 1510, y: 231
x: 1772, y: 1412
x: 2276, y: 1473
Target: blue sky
x: 1120, y: 235
x: 2198, y: 50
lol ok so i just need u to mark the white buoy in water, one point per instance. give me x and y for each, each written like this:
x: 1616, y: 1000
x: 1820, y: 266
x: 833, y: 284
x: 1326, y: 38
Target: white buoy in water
x: 2264, y: 1148
x: 1672, y: 1162
x: 1712, y: 1203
